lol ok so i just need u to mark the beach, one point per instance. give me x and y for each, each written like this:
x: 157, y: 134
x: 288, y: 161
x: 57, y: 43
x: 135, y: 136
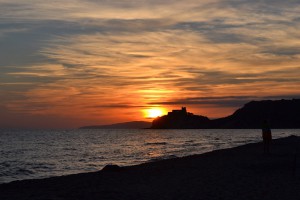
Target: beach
x: 243, y: 172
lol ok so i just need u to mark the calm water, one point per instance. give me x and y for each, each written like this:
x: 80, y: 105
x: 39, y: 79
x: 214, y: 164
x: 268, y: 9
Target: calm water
x: 44, y: 153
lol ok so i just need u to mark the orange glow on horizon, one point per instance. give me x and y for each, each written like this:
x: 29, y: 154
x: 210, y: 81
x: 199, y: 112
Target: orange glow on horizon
x: 154, y: 112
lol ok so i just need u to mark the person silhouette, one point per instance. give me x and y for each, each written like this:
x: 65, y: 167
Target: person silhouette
x: 266, y: 135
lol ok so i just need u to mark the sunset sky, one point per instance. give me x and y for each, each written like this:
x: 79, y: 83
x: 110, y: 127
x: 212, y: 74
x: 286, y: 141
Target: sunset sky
x: 70, y: 63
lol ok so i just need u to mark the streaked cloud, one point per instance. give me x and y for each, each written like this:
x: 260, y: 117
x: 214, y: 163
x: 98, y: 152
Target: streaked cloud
x: 84, y: 60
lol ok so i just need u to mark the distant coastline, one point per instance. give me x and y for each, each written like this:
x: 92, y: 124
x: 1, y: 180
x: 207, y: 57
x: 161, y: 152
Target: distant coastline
x: 124, y: 125
x: 282, y: 114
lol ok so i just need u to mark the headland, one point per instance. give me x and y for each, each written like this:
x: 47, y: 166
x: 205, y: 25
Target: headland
x: 281, y: 114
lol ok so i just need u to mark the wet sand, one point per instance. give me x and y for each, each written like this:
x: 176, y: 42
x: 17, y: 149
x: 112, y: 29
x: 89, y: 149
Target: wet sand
x: 243, y: 172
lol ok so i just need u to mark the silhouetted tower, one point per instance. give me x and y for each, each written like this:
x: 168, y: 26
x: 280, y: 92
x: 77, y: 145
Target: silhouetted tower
x: 183, y: 109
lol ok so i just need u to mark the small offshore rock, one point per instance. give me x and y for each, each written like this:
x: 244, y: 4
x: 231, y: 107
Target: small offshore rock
x: 111, y: 168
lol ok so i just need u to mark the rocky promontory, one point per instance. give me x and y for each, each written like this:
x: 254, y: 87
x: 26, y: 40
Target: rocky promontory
x: 281, y: 114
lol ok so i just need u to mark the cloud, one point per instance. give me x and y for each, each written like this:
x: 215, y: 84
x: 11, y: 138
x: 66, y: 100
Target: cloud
x: 94, y: 56
x: 222, y: 101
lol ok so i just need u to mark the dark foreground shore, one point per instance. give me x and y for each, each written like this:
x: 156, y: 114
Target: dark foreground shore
x: 238, y: 173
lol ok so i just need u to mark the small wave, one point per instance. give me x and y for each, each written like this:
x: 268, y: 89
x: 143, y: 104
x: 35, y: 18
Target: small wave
x: 156, y: 143
x: 69, y: 149
x: 22, y: 171
x: 162, y: 158
x: 128, y: 156
x: 189, y: 141
x: 5, y: 164
x: 41, y: 167
x: 93, y: 166
x: 193, y: 144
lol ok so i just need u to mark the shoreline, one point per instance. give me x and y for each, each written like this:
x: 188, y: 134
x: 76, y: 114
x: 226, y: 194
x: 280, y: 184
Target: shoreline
x: 242, y: 172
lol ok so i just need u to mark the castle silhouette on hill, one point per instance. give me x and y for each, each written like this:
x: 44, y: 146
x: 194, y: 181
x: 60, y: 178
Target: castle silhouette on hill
x: 280, y: 113
x: 179, y: 113
x: 178, y: 119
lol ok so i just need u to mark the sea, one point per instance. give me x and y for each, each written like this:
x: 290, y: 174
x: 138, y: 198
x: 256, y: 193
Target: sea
x: 36, y: 154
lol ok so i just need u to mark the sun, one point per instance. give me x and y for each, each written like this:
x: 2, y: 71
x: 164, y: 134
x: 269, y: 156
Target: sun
x: 154, y: 112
